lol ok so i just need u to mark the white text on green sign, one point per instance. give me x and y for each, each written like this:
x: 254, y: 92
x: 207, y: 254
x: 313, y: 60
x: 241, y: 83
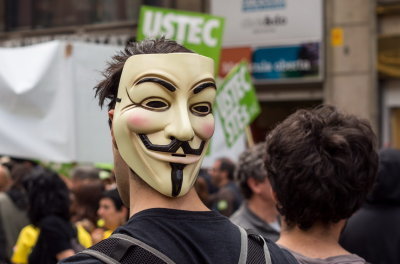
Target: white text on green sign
x: 195, y: 30
x: 237, y: 103
x: 199, y: 32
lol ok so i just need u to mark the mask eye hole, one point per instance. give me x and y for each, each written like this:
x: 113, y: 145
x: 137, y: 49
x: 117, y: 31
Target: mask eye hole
x: 201, y: 109
x: 155, y: 104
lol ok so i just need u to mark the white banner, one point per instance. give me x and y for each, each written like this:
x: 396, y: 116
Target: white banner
x: 269, y: 22
x: 219, y: 148
x: 47, y: 105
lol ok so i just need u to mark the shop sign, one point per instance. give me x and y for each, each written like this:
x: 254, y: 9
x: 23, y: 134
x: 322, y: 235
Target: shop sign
x: 287, y: 62
x: 230, y: 57
x: 270, y: 22
x: 237, y: 103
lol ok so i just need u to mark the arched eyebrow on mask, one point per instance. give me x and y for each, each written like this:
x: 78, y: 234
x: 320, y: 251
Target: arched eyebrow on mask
x: 161, y: 82
x: 203, y: 86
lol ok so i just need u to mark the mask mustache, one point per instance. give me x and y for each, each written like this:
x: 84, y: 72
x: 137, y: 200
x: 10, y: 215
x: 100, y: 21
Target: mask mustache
x: 173, y: 146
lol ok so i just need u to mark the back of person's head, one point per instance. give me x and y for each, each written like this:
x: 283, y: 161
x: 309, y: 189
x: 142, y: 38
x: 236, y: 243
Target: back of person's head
x: 108, y: 88
x: 250, y: 165
x: 86, y: 197
x: 81, y: 173
x: 48, y: 195
x: 28, y: 162
x: 386, y: 190
x: 19, y: 173
x: 17, y: 192
x: 84, y: 172
x: 321, y: 164
x: 228, y: 166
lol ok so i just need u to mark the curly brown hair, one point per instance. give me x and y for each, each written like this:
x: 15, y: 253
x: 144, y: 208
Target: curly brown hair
x: 321, y: 164
x: 108, y: 88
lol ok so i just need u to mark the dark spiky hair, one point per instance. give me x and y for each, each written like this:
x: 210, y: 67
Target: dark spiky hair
x: 108, y: 88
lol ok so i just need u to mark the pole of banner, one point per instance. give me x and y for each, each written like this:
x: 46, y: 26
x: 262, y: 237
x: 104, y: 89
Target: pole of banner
x: 249, y: 137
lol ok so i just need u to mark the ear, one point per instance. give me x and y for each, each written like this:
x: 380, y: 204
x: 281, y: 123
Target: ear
x: 111, y: 117
x: 124, y: 211
x: 274, y: 196
x: 254, y: 185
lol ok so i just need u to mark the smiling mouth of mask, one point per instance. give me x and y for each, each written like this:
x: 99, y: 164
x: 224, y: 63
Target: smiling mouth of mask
x: 176, y: 168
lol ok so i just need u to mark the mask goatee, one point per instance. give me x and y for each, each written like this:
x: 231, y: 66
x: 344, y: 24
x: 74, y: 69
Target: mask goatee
x: 176, y: 178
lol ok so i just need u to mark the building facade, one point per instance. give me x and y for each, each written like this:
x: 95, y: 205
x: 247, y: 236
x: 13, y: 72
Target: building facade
x: 359, y: 55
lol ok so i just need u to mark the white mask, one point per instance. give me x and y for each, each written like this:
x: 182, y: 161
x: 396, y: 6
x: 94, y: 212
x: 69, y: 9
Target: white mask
x: 163, y: 118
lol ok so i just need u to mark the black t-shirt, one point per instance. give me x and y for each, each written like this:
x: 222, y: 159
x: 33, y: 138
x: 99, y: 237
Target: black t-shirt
x: 55, y: 236
x: 183, y: 236
x: 373, y: 233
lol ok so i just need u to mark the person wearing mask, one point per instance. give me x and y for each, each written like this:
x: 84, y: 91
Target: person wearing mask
x: 160, y: 114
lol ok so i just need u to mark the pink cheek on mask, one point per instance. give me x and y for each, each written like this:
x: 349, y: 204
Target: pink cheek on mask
x: 137, y: 121
x: 208, y: 130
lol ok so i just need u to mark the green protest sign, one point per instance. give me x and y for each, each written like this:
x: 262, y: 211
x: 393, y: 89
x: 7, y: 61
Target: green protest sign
x: 199, y: 32
x: 237, y: 103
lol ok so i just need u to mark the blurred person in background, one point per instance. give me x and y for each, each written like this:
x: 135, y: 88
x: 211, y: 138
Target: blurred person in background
x: 86, y: 191
x: 13, y: 211
x: 321, y: 164
x: 5, y: 179
x: 112, y: 213
x: 26, y: 162
x: 107, y: 175
x: 373, y: 232
x: 83, y: 174
x: 202, y: 190
x: 228, y: 198
x: 51, y: 236
x: 204, y: 186
x: 108, y: 179
x: 258, y: 212
x: 6, y: 162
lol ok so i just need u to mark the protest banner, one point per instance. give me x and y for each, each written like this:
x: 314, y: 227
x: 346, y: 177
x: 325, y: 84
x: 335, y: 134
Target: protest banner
x: 199, y: 32
x: 237, y: 103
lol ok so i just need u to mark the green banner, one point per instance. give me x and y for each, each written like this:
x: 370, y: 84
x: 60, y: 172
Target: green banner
x: 199, y: 32
x: 237, y: 103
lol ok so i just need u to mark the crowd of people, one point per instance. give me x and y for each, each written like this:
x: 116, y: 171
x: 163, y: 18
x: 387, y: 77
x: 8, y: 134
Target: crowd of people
x: 43, y: 220
x: 315, y: 191
x: 46, y: 217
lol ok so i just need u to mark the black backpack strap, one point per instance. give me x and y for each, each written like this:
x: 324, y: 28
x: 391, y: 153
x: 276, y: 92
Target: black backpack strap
x: 118, y: 247
x: 258, y: 249
x: 143, y: 245
x: 261, y: 250
x: 253, y: 248
x: 99, y: 255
